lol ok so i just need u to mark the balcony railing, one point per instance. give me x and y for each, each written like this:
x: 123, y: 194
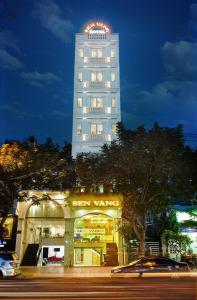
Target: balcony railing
x: 96, y: 110
x: 96, y: 60
x: 96, y: 137
x: 97, y: 84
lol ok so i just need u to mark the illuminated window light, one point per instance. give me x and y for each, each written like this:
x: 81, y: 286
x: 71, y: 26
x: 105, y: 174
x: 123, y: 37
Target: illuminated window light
x: 85, y: 84
x: 108, y: 110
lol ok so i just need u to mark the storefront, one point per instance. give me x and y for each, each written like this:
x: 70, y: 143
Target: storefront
x: 77, y: 229
x: 8, y: 240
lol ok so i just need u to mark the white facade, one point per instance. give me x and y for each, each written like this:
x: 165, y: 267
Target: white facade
x: 96, y: 108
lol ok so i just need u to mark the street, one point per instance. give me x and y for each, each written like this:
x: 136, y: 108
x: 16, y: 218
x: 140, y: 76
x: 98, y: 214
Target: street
x: 99, y: 288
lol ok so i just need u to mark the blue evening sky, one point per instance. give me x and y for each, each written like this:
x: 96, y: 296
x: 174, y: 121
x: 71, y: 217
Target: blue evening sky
x: 158, y: 63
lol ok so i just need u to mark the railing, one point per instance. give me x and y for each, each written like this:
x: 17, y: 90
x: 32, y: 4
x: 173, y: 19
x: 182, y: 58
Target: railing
x: 97, y: 36
x: 93, y: 110
x: 96, y: 137
x: 97, y: 83
x: 99, y: 60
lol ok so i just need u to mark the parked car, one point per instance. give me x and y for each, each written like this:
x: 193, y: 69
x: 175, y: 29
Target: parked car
x: 9, y: 264
x: 152, y: 265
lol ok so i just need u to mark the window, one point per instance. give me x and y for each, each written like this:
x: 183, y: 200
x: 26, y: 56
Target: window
x: 113, y: 51
x: 113, y: 76
x: 96, y: 102
x: 113, y: 102
x: 108, y: 84
x: 81, y: 53
x: 99, y: 76
x: 79, y: 128
x: 99, y: 128
x: 97, y: 52
x: 107, y: 59
x: 93, y: 128
x: 96, y: 76
x: 80, y: 76
x: 99, y: 102
x: 149, y: 218
x: 79, y: 102
x: 96, y: 128
x: 113, y: 128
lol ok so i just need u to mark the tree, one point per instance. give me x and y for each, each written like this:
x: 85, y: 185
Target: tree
x: 30, y: 165
x: 147, y: 168
x: 88, y: 170
x: 13, y: 162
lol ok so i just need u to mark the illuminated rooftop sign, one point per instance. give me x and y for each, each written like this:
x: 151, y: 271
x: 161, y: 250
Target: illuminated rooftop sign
x: 97, y: 27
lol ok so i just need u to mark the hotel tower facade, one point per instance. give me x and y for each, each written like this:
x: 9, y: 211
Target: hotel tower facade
x: 79, y: 229
x: 96, y: 107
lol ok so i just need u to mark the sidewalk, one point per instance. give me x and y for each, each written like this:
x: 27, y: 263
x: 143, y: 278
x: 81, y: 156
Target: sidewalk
x: 61, y: 271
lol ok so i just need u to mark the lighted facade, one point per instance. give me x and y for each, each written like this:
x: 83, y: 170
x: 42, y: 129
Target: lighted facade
x: 96, y: 105
x: 75, y: 230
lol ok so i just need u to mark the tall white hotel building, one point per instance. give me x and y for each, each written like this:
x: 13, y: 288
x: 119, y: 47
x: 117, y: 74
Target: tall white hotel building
x: 96, y: 108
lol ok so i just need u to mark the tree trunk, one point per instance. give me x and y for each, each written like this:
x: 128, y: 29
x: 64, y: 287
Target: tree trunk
x: 142, y: 243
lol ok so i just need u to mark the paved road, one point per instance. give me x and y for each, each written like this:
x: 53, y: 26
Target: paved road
x: 100, y: 288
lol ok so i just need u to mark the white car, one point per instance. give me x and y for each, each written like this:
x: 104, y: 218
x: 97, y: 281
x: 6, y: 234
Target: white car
x: 9, y: 264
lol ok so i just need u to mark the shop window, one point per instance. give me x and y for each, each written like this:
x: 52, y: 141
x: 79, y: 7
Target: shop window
x: 7, y: 228
x: 94, y: 228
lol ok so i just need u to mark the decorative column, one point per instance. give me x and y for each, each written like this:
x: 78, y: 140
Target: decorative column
x: 69, y: 242
x: 19, y: 238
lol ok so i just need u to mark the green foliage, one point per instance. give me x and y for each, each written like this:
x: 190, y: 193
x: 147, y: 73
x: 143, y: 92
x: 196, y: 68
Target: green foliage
x: 29, y: 165
x: 166, y: 220
x: 147, y: 167
x: 177, y: 241
x: 35, y: 200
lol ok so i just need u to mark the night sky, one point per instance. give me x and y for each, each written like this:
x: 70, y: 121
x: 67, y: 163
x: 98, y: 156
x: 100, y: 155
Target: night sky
x: 158, y: 63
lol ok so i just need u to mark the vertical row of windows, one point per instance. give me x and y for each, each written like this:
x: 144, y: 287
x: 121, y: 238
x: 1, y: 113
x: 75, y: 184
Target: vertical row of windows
x: 96, y: 102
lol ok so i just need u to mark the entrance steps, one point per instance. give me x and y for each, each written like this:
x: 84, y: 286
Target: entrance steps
x: 30, y: 256
x: 111, y: 257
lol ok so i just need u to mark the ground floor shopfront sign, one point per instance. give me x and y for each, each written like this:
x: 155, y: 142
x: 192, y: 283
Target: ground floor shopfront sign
x: 97, y: 203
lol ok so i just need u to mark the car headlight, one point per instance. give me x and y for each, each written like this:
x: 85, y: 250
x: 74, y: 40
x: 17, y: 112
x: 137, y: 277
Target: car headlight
x: 116, y: 271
